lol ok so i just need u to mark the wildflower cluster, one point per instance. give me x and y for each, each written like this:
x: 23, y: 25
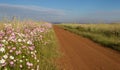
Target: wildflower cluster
x: 21, y: 45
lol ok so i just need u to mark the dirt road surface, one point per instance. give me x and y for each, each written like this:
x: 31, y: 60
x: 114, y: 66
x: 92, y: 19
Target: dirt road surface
x: 82, y: 54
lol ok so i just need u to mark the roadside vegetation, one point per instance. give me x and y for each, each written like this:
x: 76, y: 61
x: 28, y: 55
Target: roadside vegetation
x: 105, y: 34
x: 27, y: 45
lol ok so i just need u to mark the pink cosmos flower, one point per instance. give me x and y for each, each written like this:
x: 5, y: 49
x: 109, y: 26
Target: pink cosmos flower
x: 29, y: 64
x: 18, y: 52
x: 8, y: 47
x: 8, y: 32
x: 1, y: 37
x: 42, y: 29
x: 4, y: 64
x: 21, y: 66
x: 31, y: 48
x: 1, y: 45
x: 11, y: 51
x: 11, y: 62
x: 2, y: 33
x: 29, y: 42
x: 14, y: 48
x: 12, y: 38
x: 23, y: 46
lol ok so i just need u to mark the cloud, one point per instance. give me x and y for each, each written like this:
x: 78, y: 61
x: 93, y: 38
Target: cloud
x: 57, y: 15
x: 33, y: 12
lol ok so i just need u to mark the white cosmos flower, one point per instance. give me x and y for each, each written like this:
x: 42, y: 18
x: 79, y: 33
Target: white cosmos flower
x: 26, y: 59
x: 5, y: 69
x: 21, y: 60
x: 3, y: 41
x: 37, y: 67
x: 6, y: 37
x: 2, y: 49
x: 32, y: 52
x: 14, y: 60
x: 19, y: 40
x: 23, y: 56
x: 37, y: 60
x: 11, y: 57
x: 35, y: 51
x: 5, y: 56
x: 29, y: 42
x: 2, y: 61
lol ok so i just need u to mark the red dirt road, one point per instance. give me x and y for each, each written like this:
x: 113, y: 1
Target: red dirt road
x: 82, y: 54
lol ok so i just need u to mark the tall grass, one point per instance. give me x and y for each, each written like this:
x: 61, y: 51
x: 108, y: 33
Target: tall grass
x: 27, y: 45
x: 105, y: 34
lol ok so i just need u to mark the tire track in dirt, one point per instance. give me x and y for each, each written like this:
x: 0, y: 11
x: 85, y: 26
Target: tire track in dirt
x: 82, y: 54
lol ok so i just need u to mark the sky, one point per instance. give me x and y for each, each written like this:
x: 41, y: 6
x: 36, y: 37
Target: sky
x: 83, y: 11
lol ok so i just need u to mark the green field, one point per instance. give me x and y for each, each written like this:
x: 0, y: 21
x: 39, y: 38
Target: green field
x: 27, y: 45
x: 105, y: 34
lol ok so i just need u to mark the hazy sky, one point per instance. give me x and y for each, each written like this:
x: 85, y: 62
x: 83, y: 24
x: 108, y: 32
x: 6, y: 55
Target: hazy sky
x: 62, y: 10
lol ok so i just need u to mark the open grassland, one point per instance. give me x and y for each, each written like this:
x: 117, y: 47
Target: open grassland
x: 105, y: 34
x: 27, y: 45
